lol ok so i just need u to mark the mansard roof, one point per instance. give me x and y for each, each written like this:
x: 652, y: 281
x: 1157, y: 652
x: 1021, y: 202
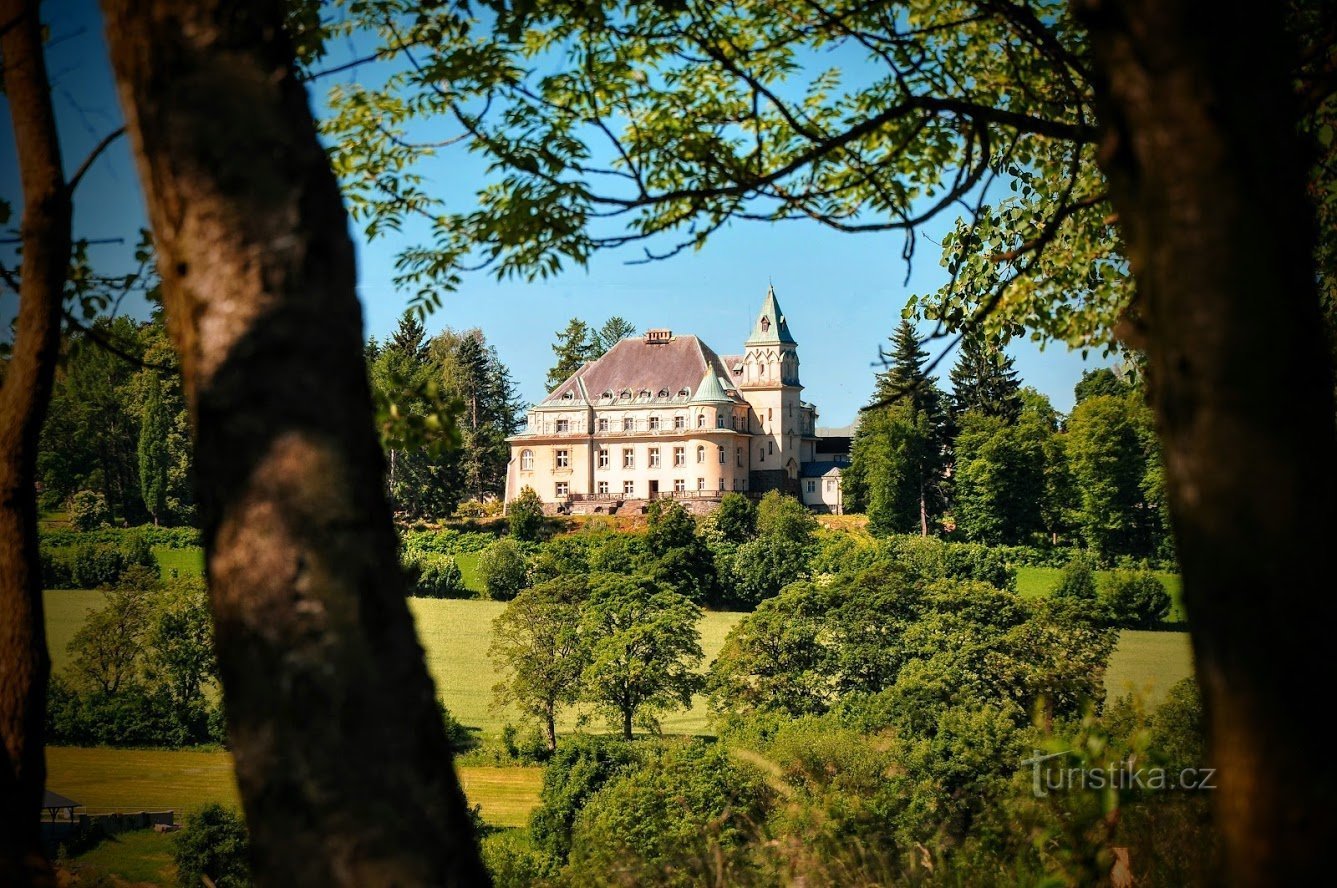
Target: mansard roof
x: 666, y: 370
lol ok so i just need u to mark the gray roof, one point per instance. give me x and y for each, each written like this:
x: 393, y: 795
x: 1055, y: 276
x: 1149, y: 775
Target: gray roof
x: 825, y: 467
x: 56, y: 800
x: 710, y: 389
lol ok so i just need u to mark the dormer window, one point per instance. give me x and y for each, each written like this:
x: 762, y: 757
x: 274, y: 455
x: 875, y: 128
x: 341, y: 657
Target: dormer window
x: 568, y: 396
x: 626, y: 394
x: 765, y: 325
x: 663, y: 393
x: 607, y: 396
x: 684, y: 393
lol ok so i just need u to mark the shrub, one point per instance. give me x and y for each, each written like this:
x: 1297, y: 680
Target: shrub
x: 1135, y: 599
x: 438, y: 576
x: 137, y: 551
x: 525, y: 516
x: 579, y: 767
x: 214, y: 846
x: 512, y: 861
x: 502, y: 569
x: 88, y: 510
x: 1079, y: 580
x: 678, y: 819
x: 460, y: 737
x: 94, y: 566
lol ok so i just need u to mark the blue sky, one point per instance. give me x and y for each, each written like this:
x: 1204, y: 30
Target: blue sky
x: 842, y: 293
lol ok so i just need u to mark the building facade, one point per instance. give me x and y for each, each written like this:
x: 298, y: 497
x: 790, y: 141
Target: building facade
x: 663, y: 415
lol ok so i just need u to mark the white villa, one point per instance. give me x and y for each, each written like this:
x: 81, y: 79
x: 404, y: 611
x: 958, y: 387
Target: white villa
x: 663, y: 415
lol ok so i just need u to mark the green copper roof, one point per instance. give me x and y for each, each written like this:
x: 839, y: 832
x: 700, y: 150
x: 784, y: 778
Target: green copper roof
x: 710, y: 388
x: 770, y: 325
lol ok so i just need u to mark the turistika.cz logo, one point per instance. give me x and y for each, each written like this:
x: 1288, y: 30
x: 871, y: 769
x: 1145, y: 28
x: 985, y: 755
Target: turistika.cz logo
x: 1049, y: 775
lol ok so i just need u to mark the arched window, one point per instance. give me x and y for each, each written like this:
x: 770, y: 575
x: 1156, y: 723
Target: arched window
x: 700, y: 420
x: 701, y: 453
x: 721, y: 454
x: 527, y: 460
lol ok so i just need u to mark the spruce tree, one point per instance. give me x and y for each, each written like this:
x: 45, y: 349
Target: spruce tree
x: 614, y: 330
x: 574, y: 346
x: 984, y: 379
x: 900, y: 464
x: 409, y: 337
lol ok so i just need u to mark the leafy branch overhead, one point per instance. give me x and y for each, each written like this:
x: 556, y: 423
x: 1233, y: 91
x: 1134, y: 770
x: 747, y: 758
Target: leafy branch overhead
x: 657, y: 124
x: 617, y: 124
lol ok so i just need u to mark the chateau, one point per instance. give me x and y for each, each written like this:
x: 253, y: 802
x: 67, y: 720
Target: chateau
x: 663, y: 415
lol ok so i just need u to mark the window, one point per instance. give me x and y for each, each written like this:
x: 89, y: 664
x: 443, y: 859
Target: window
x: 603, y: 424
x: 761, y: 454
x: 563, y: 488
x: 768, y: 414
x: 701, y: 453
x: 654, y: 423
x: 735, y: 484
x: 563, y: 459
x: 700, y: 483
x: 680, y: 456
x: 603, y: 486
x: 770, y: 446
x: 721, y: 484
x: 563, y: 425
x: 679, y: 423
x: 740, y: 456
x: 527, y: 460
x: 628, y: 424
x: 603, y: 458
x: 700, y: 420
x: 721, y: 454
x: 628, y: 458
x: 812, y: 487
x: 679, y: 485
x: 628, y: 487
x: 654, y: 457
x: 830, y: 483
x: 719, y: 420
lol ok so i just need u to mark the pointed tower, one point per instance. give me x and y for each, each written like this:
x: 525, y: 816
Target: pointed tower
x: 771, y: 386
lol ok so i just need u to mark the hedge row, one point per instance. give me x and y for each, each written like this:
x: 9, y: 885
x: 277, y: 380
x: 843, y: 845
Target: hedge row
x: 92, y: 565
x: 169, y: 537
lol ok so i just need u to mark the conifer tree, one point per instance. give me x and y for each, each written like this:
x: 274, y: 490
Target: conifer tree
x: 614, y: 330
x: 984, y: 379
x: 574, y: 346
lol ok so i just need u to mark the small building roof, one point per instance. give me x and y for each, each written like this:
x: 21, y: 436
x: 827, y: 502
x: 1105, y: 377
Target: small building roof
x: 820, y: 469
x: 56, y: 800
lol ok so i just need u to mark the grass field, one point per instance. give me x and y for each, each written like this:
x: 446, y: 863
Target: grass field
x: 133, y: 858
x: 1033, y: 582
x: 105, y: 779
x: 187, y: 562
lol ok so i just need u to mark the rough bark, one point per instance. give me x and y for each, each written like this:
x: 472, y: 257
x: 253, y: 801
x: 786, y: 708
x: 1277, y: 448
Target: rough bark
x: 45, y: 233
x: 342, y: 760
x: 1207, y: 175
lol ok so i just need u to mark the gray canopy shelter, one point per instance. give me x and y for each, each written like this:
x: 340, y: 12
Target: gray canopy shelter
x: 53, y: 803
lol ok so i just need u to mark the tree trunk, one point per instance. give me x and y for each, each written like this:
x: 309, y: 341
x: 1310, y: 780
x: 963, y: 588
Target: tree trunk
x: 1207, y: 175
x: 342, y: 760
x: 626, y: 724
x: 45, y: 231
x: 551, y: 724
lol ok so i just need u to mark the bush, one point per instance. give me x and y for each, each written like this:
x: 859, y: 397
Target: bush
x: 214, y: 846
x: 444, y: 542
x: 679, y: 819
x: 579, y: 768
x: 1079, y: 580
x: 167, y: 537
x: 502, y: 569
x: 438, y: 576
x: 1135, y: 599
x: 95, y: 566
x: 511, y: 860
x: 525, y: 516
x: 88, y: 510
